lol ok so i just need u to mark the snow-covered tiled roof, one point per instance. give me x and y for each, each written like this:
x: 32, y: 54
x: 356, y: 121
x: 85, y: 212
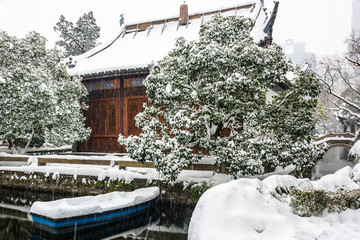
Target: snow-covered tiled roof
x: 137, y: 45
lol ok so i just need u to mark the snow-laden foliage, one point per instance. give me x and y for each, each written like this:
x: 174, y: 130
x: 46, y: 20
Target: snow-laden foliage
x: 38, y: 100
x: 313, y: 202
x: 208, y: 97
x: 80, y: 37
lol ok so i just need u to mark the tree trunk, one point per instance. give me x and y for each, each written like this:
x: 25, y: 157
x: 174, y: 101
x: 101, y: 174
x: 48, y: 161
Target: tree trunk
x: 24, y: 150
x: 218, y: 130
x: 12, y: 147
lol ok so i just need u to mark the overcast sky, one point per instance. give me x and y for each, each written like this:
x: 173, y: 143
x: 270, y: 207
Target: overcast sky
x: 322, y: 24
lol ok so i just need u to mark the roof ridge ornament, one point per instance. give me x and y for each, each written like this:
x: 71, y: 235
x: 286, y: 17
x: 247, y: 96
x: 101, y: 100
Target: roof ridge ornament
x: 184, y: 14
x: 121, y: 19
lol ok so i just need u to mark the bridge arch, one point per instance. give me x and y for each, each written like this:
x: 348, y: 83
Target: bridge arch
x: 336, y: 140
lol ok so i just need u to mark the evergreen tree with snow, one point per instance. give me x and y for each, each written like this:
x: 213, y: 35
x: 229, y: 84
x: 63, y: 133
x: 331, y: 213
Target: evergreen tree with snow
x: 38, y: 100
x: 208, y: 98
x: 80, y: 37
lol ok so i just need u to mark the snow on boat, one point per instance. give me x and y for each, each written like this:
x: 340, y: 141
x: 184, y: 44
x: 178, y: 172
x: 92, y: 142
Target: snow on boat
x: 90, y: 211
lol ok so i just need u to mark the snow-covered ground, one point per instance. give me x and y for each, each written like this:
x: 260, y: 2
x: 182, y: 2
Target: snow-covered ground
x: 112, y: 171
x: 247, y: 209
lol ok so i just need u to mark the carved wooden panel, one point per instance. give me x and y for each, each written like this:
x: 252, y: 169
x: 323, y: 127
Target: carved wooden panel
x: 95, y: 117
x: 134, y: 82
x: 100, y: 144
x: 104, y: 118
x: 96, y: 95
x: 112, y: 117
x: 132, y: 111
x: 132, y: 92
x: 133, y: 107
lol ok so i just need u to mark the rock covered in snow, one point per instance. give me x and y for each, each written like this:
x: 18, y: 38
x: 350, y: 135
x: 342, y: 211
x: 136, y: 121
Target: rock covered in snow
x: 248, y: 209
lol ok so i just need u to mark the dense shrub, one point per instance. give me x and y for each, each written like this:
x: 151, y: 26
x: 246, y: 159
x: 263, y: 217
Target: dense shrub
x: 313, y: 202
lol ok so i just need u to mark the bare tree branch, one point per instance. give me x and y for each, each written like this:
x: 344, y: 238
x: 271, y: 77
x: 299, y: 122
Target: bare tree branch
x: 355, y: 62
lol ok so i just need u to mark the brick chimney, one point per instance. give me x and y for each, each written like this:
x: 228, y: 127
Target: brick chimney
x: 184, y: 14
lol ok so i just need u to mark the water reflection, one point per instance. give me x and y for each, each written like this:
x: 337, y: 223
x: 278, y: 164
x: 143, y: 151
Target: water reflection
x: 164, y: 222
x: 97, y: 232
x: 333, y: 160
x: 15, y: 228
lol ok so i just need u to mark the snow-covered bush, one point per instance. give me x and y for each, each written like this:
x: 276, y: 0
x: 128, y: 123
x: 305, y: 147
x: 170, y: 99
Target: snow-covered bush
x: 313, y: 202
x: 196, y: 190
x: 308, y: 202
x: 38, y: 99
x: 208, y: 97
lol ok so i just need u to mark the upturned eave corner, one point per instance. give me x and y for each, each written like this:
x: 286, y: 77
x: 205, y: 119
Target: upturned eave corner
x: 268, y: 29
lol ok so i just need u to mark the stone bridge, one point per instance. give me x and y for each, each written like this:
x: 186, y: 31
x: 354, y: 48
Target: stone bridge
x: 336, y: 139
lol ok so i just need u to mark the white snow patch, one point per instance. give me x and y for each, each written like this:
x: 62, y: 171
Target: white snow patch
x: 355, y: 150
x: 168, y: 88
x: 343, y: 178
x: 55, y: 176
x: 33, y: 161
x: 2, y: 80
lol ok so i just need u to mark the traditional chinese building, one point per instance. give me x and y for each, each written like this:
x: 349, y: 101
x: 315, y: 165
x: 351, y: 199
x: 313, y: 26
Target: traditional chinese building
x: 114, y: 72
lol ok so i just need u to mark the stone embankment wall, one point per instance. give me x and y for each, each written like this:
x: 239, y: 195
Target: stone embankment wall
x: 90, y: 185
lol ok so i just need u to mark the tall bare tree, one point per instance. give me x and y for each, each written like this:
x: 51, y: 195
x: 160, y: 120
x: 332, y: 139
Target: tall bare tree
x: 341, y: 81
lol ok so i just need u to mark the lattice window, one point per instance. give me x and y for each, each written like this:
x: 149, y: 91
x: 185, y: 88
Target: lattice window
x: 134, y: 106
x: 133, y: 110
x: 95, y: 117
x: 103, y: 121
x: 112, y: 118
x: 100, y: 144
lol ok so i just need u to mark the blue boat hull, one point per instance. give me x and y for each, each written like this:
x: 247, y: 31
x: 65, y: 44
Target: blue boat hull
x: 56, y: 226
x: 100, y: 231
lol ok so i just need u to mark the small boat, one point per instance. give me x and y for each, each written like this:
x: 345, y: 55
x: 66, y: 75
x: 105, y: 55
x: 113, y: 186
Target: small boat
x: 80, y: 213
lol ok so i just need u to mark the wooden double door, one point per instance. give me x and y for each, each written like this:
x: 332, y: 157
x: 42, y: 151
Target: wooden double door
x: 107, y: 119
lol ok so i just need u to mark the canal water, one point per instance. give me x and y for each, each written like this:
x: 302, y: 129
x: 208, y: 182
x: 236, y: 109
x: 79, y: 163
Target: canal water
x: 165, y: 222
x: 333, y: 160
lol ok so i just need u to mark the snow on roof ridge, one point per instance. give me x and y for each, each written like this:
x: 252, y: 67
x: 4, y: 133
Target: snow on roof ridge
x: 124, y: 27
x: 194, y: 13
x: 98, y: 61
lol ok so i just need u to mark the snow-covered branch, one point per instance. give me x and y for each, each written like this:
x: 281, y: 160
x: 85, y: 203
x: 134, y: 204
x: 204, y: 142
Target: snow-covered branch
x: 288, y: 94
x: 345, y: 109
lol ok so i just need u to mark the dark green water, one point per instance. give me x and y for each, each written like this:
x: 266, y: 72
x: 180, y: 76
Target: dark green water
x: 165, y: 222
x: 333, y: 160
